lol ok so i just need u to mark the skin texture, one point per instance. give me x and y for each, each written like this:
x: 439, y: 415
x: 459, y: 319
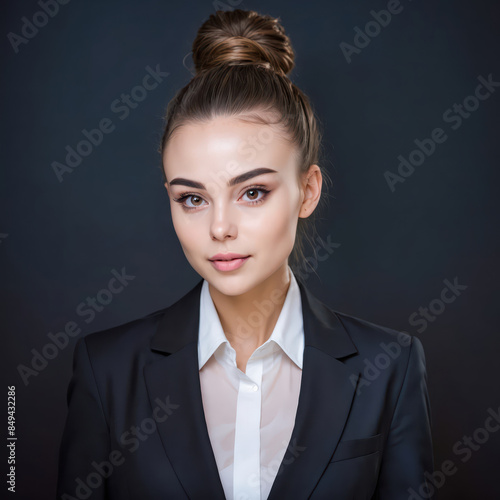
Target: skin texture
x: 222, y: 218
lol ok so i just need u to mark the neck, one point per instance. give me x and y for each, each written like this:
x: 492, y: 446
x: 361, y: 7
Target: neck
x: 248, y: 320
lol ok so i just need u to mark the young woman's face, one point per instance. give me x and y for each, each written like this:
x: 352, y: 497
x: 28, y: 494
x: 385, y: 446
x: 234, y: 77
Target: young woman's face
x: 216, y: 212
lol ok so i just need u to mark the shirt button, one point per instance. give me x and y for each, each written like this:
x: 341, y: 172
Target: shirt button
x: 254, y: 388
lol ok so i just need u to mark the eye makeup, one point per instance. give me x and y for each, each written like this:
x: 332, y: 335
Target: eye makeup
x: 186, y: 196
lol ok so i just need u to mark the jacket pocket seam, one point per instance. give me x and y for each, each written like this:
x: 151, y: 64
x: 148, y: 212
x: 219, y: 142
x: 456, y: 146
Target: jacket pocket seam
x: 357, y: 448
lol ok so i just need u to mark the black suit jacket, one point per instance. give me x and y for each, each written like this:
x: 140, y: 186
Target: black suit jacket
x: 136, y: 428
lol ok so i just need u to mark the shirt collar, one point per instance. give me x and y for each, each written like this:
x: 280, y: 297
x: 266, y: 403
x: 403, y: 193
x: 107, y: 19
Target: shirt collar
x: 288, y: 332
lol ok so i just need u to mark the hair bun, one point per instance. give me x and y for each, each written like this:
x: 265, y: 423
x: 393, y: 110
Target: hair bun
x: 242, y: 37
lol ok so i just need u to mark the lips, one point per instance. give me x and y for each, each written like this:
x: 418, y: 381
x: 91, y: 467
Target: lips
x: 228, y: 262
x: 227, y: 256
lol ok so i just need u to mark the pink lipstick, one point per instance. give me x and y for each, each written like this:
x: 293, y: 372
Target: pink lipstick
x: 228, y: 261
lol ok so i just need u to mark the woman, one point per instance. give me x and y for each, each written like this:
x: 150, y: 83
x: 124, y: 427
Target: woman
x: 248, y: 387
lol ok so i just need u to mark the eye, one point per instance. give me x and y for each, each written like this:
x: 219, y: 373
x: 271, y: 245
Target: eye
x: 253, y: 193
x: 188, y: 196
x: 195, y: 200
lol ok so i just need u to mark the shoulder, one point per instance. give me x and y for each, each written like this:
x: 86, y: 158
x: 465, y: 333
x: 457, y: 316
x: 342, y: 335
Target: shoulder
x: 121, y: 343
x: 132, y: 343
x: 380, y: 348
x: 387, y: 360
x: 368, y: 336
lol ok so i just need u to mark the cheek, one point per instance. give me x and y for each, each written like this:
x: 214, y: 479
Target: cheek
x: 276, y: 224
x: 184, y: 230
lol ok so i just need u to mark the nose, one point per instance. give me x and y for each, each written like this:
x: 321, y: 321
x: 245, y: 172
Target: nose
x: 223, y: 224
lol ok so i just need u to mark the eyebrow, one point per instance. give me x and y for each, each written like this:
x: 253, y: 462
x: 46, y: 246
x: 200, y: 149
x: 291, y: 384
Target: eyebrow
x: 231, y: 182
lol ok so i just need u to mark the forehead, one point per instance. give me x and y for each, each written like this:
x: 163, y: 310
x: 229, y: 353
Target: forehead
x: 227, y: 143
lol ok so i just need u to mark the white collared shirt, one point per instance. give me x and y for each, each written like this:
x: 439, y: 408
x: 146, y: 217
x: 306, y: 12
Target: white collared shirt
x: 250, y: 416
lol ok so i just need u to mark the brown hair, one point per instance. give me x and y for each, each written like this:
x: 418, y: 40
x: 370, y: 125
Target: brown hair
x: 242, y: 60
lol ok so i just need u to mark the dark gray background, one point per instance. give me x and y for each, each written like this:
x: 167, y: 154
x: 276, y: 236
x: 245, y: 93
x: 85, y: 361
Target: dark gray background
x: 396, y: 248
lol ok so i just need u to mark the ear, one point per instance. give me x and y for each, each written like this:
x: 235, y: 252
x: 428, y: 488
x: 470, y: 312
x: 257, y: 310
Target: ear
x: 311, y: 186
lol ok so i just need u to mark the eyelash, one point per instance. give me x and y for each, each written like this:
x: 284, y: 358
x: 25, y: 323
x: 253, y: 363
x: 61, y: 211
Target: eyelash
x: 185, y: 196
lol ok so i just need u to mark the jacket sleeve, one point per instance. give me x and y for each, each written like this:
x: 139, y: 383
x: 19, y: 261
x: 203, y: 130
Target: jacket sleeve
x: 408, y: 450
x: 84, y: 450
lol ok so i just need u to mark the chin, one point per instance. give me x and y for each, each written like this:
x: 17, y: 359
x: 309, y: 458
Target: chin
x: 231, y: 284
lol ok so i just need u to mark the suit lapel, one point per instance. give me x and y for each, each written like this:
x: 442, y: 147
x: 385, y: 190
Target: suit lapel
x: 184, y: 433
x: 326, y: 394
